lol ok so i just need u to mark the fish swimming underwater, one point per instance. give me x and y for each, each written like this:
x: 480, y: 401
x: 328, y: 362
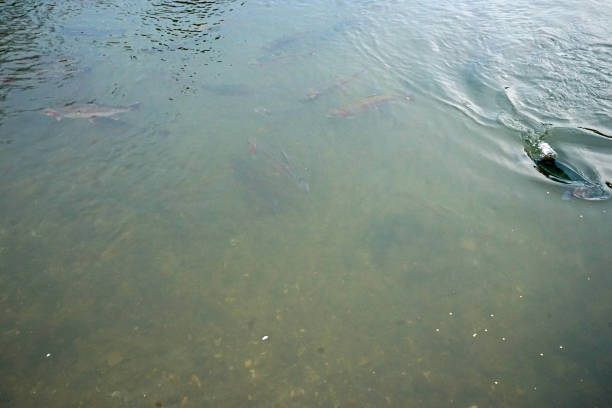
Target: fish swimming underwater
x: 281, y: 162
x: 316, y: 94
x: 89, y: 111
x: 369, y: 102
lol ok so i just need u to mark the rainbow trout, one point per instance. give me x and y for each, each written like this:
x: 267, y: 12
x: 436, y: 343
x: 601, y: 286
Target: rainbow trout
x: 89, y: 111
x: 362, y: 104
x: 316, y: 94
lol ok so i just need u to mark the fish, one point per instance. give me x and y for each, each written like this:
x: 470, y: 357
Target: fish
x: 590, y: 191
x: 314, y: 94
x: 309, y: 38
x: 278, y: 58
x: 287, y: 41
x: 362, y: 104
x: 580, y: 186
x: 303, y: 43
x: 281, y: 162
x: 89, y: 111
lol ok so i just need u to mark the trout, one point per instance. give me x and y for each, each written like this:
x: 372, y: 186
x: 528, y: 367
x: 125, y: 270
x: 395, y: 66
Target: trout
x: 369, y: 102
x: 89, y: 111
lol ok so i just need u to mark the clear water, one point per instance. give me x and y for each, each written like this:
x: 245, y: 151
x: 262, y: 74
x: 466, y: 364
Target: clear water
x: 174, y: 257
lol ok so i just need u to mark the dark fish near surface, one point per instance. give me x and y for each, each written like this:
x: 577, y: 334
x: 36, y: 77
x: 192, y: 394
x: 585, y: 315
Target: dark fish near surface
x: 563, y: 173
x: 278, y: 58
x: 369, y: 102
x: 89, y: 111
x: 304, y: 37
x: 282, y: 163
x: 287, y: 41
x: 303, y: 43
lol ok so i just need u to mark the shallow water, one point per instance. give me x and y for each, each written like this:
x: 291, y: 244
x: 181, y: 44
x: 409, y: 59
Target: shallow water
x: 154, y: 260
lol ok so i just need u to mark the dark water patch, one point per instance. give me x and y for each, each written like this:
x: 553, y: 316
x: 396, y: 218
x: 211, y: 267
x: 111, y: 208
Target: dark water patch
x: 391, y: 236
x: 227, y: 89
x: 263, y: 190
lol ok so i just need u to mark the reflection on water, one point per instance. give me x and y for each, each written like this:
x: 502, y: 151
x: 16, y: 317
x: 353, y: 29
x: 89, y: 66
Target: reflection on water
x: 22, y: 64
x: 184, y: 25
x: 357, y: 204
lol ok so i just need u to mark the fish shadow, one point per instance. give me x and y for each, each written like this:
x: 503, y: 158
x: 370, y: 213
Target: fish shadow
x: 262, y: 188
x: 388, y: 237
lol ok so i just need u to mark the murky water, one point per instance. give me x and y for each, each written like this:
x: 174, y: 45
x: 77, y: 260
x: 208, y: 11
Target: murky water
x: 328, y: 204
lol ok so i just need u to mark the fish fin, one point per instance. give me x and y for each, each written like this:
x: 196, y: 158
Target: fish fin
x: 134, y: 106
x: 54, y: 113
x: 567, y: 195
x: 285, y: 156
x: 252, y: 147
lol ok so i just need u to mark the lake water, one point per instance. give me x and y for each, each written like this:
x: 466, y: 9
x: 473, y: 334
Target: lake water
x: 314, y: 203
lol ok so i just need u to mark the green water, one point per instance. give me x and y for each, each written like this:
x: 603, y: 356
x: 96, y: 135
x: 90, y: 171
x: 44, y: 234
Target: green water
x: 160, y: 260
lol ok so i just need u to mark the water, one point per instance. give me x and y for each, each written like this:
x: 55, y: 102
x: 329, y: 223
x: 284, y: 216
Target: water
x: 428, y: 263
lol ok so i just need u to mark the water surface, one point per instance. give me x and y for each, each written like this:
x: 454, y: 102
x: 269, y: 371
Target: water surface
x: 159, y: 260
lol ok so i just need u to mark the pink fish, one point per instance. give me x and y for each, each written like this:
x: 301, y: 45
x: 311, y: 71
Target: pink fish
x: 316, y: 94
x: 369, y: 102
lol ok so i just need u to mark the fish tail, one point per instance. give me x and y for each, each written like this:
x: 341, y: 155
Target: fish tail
x: 134, y: 106
x: 252, y: 145
x: 51, y: 112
